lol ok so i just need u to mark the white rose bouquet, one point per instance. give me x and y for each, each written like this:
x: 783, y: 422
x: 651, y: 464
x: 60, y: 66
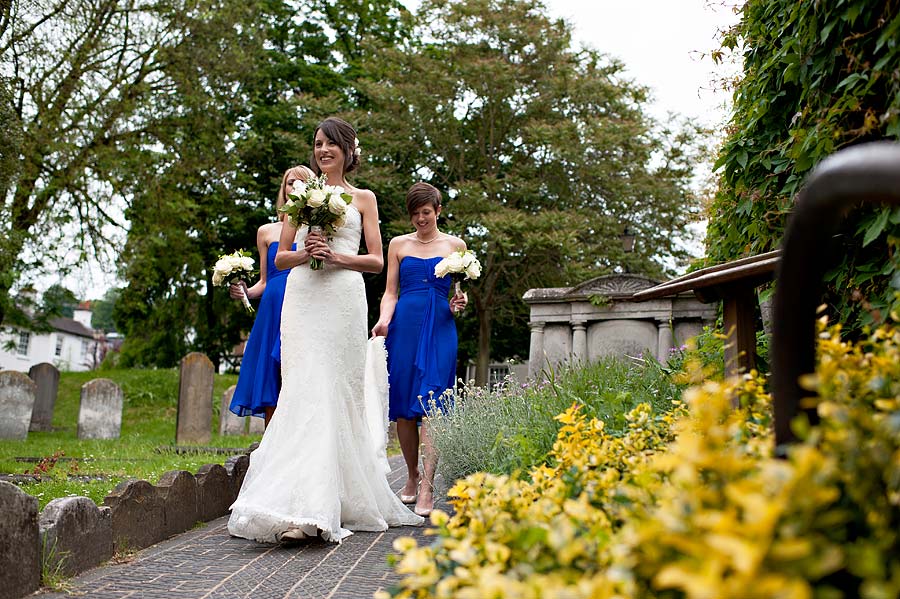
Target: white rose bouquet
x: 320, y: 206
x: 232, y: 267
x: 461, y: 264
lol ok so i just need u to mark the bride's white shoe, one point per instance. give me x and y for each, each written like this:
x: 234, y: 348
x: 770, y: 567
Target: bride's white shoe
x: 293, y: 535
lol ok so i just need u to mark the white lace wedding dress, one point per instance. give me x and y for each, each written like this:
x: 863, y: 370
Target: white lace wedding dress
x: 319, y: 466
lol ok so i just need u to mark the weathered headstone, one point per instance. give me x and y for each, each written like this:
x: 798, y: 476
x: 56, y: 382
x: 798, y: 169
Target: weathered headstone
x: 178, y: 488
x: 100, y: 411
x: 195, y: 389
x: 20, y: 546
x: 46, y: 380
x: 215, y: 491
x: 229, y: 422
x: 138, y: 515
x: 76, y: 535
x: 257, y: 425
x: 17, y: 393
x: 236, y: 466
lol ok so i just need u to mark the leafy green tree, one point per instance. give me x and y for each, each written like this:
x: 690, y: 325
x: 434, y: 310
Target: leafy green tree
x: 59, y: 301
x: 817, y: 76
x: 543, y: 149
x: 102, y: 311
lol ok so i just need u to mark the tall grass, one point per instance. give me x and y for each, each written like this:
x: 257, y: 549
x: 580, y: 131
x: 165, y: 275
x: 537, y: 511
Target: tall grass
x: 512, y: 427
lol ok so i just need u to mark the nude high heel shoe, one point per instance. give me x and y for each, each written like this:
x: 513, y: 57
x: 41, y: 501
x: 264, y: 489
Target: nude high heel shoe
x: 408, y: 499
x: 422, y: 511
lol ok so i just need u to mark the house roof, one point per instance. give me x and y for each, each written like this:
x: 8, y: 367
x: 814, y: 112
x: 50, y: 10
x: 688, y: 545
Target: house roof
x: 71, y: 326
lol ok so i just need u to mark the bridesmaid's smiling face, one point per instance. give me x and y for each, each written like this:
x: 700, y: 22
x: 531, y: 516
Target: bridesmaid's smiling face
x: 329, y: 155
x: 424, y: 218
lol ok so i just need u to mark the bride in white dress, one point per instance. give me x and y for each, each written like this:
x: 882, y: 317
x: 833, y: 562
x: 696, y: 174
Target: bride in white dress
x: 316, y: 470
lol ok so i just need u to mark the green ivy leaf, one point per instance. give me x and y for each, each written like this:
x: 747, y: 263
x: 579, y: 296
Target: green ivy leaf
x: 876, y: 227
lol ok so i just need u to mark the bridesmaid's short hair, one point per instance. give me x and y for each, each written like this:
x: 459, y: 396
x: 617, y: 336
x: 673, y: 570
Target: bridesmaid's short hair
x: 343, y: 134
x: 295, y: 172
x: 420, y: 194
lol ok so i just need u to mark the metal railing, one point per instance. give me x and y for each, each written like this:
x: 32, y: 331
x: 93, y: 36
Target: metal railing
x: 864, y: 174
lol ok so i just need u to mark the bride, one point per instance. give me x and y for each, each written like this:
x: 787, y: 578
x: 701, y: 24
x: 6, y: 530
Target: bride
x: 316, y: 471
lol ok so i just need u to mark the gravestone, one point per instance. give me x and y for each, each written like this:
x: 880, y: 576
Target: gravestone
x: 257, y: 425
x: 195, y: 389
x: 100, y: 411
x: 20, y: 546
x: 138, y: 515
x: 178, y: 489
x: 229, y: 422
x: 46, y: 380
x: 76, y: 535
x: 17, y: 393
x: 214, y: 490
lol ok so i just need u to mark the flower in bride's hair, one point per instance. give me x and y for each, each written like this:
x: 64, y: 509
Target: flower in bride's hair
x: 356, y: 149
x: 316, y: 198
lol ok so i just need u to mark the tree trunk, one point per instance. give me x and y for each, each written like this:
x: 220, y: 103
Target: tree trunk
x: 483, y: 362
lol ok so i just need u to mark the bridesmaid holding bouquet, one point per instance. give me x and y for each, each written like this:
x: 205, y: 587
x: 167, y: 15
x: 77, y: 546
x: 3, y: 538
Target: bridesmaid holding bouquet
x: 417, y: 320
x: 258, y: 385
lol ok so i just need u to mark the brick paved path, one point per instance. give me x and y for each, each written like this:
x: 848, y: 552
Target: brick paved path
x: 208, y: 563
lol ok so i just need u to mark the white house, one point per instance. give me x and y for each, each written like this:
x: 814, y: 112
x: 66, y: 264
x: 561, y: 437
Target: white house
x: 72, y: 345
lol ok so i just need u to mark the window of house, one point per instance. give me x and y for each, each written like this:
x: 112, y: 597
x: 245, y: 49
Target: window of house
x: 85, y: 347
x: 59, y: 343
x: 24, y: 341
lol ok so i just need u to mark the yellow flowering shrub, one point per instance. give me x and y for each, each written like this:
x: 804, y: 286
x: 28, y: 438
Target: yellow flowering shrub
x: 692, y: 503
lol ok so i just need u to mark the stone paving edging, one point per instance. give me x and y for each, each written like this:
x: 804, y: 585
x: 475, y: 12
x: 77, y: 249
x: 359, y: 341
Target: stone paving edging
x: 73, y: 534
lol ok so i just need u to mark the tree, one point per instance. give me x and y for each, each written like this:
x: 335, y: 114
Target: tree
x: 102, y: 311
x: 544, y: 151
x: 818, y: 76
x: 240, y: 117
x: 59, y: 301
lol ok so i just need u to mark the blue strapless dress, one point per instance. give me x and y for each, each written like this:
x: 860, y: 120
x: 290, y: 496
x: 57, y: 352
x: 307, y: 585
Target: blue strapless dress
x: 421, y: 341
x: 258, y: 383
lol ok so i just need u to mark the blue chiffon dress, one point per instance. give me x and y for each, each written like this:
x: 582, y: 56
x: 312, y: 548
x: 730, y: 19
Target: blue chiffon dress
x: 258, y: 383
x: 421, y: 341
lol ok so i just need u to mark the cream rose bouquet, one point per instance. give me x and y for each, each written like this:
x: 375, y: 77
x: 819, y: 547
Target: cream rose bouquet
x: 318, y: 205
x: 230, y: 268
x: 459, y: 265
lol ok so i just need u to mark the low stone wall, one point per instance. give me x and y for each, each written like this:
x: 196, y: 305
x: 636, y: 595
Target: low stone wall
x: 73, y: 534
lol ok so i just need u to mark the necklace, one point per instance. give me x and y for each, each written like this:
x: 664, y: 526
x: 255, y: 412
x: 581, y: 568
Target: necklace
x: 429, y: 241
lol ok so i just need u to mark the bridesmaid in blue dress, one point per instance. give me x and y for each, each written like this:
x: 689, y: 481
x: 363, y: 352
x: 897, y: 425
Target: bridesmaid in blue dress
x: 259, y: 382
x: 417, y: 320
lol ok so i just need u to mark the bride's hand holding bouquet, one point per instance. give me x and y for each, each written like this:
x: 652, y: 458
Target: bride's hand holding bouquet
x: 322, y: 207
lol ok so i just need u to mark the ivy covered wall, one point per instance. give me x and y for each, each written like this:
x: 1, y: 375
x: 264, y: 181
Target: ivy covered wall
x: 817, y: 76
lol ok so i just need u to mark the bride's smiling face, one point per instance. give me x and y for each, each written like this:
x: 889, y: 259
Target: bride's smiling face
x: 329, y: 155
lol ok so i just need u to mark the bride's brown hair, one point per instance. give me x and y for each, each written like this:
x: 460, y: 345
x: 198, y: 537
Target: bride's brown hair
x: 343, y: 134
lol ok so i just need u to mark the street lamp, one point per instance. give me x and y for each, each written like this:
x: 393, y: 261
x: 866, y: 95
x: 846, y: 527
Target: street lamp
x: 627, y: 239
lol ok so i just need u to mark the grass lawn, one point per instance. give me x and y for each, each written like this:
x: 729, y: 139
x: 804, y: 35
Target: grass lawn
x: 92, y: 468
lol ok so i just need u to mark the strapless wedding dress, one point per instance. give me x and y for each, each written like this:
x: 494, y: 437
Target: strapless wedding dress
x: 321, y: 466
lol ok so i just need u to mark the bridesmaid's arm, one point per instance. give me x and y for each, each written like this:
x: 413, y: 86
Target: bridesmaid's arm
x: 286, y: 257
x: 391, y: 291
x: 373, y: 261
x: 256, y: 291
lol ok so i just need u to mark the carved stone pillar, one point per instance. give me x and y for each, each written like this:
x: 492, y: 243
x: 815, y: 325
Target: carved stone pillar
x: 579, y: 341
x: 536, y: 349
x: 666, y: 340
